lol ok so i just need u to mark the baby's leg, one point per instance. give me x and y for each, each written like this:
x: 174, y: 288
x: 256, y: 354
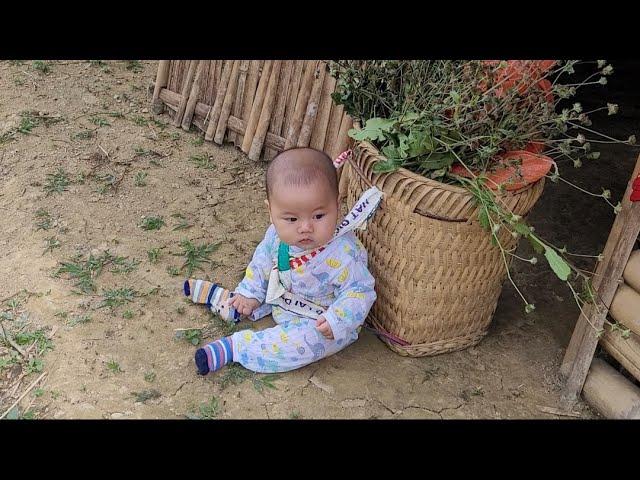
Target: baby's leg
x: 213, y: 296
x: 289, y: 345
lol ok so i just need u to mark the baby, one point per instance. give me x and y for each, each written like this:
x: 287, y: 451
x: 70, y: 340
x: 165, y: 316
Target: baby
x: 308, y: 272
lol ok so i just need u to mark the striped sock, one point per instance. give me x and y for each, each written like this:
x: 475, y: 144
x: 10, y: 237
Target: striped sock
x: 213, y: 296
x: 214, y: 355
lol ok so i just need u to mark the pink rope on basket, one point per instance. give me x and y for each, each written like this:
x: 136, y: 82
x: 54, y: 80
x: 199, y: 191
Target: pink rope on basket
x: 342, y: 158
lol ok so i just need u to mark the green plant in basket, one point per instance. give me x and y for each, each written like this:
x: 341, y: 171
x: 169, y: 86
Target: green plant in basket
x: 489, y: 126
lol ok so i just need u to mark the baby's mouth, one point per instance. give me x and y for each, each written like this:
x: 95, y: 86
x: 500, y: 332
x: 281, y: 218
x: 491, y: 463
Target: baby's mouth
x: 306, y: 241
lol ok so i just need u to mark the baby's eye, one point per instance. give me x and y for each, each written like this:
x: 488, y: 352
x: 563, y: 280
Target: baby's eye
x: 290, y: 219
x: 319, y: 216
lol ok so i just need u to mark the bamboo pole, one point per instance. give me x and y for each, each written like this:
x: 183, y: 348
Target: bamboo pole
x: 186, y: 88
x: 610, y: 393
x: 172, y: 99
x: 277, y: 118
x: 226, y: 105
x: 335, y: 119
x: 249, y: 95
x: 312, y: 107
x: 324, y: 110
x: 162, y: 77
x: 252, y: 122
x: 243, y: 69
x: 624, y: 350
x: 265, y: 115
x: 301, y: 104
x: 343, y: 140
x: 217, y: 105
x: 193, y: 97
x: 292, y: 94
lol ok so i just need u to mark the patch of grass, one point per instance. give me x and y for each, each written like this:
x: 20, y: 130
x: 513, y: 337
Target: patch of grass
x: 180, y: 310
x: 38, y: 392
x: 145, y: 395
x: 116, y: 297
x: 38, y: 337
x: 173, y: 271
x: 100, y: 63
x: 122, y: 265
x: 134, y: 65
x: 9, y: 360
x: 57, y: 182
x: 62, y: 314
x: 262, y: 382
x: 193, y: 335
x: 79, y: 319
x: 99, y: 121
x: 207, y: 411
x: 114, y: 366
x: 34, y: 365
x: 52, y: 242
x: 202, y: 161
x: 140, y: 120
x: 44, y: 219
x: 152, y: 223
x: 41, y: 66
x: 7, y: 137
x: 27, y: 123
x: 295, y: 416
x: 109, y: 182
x: 83, y: 135
x: 84, y: 271
x: 159, y: 124
x: 196, y: 255
x: 183, y: 225
x: 154, y: 254
x: 140, y: 178
x: 150, y: 376
x: 196, y: 142
x: 234, y: 374
x: 128, y: 314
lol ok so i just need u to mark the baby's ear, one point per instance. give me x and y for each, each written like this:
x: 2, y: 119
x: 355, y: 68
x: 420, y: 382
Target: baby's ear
x: 266, y: 202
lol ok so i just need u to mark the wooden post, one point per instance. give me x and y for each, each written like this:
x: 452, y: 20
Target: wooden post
x: 301, y: 105
x: 292, y: 94
x: 256, y: 109
x: 186, y: 89
x: 220, y: 94
x: 265, y: 115
x: 584, y: 340
x: 324, y: 110
x: 312, y: 107
x: 162, y: 78
x: 277, y: 118
x: 243, y: 69
x: 226, y: 105
x: 249, y: 95
x: 193, y: 97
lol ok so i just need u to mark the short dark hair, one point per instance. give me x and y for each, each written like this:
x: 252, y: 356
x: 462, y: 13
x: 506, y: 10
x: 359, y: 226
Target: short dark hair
x: 301, y: 166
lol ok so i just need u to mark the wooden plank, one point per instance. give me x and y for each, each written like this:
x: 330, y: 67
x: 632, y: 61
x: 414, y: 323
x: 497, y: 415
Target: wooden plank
x: 312, y: 107
x: 162, y: 77
x: 237, y: 105
x: 265, y: 115
x: 220, y: 95
x: 277, y: 120
x: 193, y: 97
x: 256, y: 108
x: 324, y: 109
x: 226, y: 105
x: 584, y: 340
x: 302, y: 101
x: 186, y: 89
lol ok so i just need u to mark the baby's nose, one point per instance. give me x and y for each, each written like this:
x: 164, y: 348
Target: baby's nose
x: 305, y: 227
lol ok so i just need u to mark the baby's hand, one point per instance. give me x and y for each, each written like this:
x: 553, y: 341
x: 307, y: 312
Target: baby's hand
x: 324, y: 328
x: 243, y: 305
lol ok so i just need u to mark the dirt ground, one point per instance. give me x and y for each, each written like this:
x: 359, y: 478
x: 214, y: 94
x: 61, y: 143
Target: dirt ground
x: 132, y: 361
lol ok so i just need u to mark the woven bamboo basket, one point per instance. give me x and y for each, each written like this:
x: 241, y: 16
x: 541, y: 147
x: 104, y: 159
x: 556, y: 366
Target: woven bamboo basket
x: 438, y: 277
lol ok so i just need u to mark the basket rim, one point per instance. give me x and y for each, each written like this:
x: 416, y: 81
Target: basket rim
x: 429, y: 181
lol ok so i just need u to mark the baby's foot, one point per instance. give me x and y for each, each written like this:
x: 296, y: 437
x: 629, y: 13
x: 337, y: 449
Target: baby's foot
x: 214, y: 355
x: 213, y: 296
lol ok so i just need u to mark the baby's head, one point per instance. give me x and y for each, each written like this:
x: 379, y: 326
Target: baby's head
x: 302, y: 196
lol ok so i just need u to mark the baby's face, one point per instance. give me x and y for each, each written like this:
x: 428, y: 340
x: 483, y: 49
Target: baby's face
x: 304, y: 216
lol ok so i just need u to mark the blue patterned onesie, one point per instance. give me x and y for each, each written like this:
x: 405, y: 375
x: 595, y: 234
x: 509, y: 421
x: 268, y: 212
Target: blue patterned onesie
x: 336, y: 279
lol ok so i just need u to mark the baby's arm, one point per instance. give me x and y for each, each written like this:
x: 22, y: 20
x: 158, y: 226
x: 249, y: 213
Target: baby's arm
x: 354, y: 297
x: 256, y: 278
